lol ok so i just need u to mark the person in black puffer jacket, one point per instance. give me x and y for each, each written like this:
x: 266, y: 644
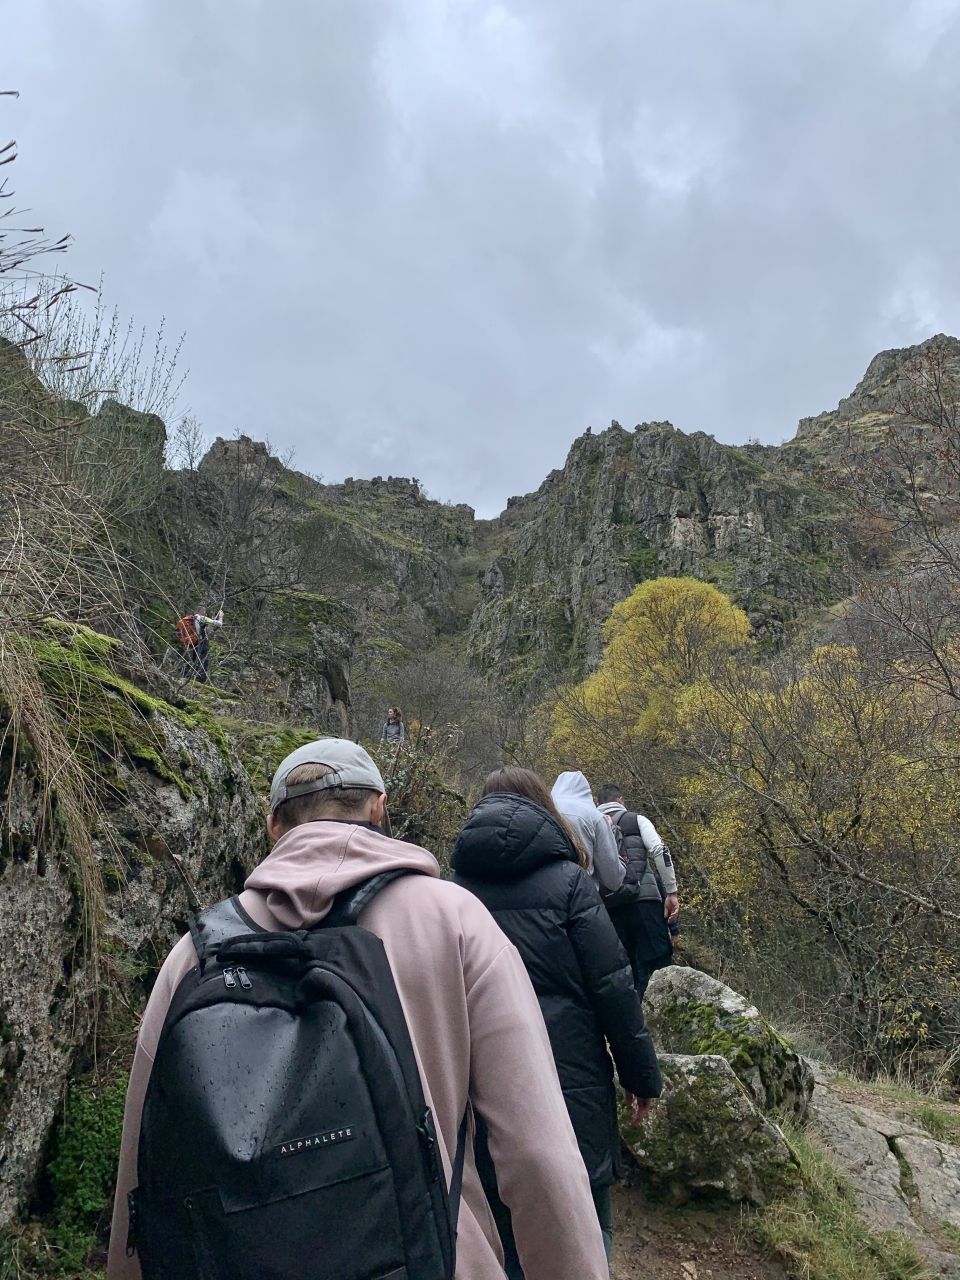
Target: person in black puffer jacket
x: 520, y: 859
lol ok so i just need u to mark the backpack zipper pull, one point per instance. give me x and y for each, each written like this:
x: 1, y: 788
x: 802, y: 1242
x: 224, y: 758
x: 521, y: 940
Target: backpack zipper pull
x: 244, y: 980
x: 229, y: 981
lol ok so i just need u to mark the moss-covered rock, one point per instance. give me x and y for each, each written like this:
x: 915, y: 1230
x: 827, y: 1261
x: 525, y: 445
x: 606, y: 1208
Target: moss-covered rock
x: 175, y: 824
x: 705, y: 1137
x: 689, y: 1012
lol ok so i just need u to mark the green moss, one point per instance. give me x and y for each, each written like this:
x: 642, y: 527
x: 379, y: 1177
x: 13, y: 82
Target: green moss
x: 93, y: 644
x: 695, y: 1136
x: 701, y: 1029
x: 105, y: 711
x: 261, y: 746
x: 82, y: 1170
x: 301, y: 609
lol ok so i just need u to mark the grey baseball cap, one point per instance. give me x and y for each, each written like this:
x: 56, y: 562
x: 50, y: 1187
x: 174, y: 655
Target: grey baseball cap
x: 351, y: 765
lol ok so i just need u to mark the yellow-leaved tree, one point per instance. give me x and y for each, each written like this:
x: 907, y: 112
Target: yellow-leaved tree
x: 827, y: 801
x: 812, y: 803
x: 621, y: 721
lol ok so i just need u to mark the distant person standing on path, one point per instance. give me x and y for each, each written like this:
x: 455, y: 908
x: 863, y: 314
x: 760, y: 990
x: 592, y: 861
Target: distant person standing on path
x: 195, y: 643
x: 643, y: 918
x: 520, y: 858
x: 572, y: 795
x: 394, y: 733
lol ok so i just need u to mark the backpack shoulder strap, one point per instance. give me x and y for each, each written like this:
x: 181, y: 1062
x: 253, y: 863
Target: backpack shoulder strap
x: 456, y: 1174
x: 348, y: 905
x: 628, y: 824
x: 211, y: 928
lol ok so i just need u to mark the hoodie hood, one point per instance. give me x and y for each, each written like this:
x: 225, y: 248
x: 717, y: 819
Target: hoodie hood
x: 572, y: 791
x: 315, y: 861
x: 612, y: 807
x: 507, y: 837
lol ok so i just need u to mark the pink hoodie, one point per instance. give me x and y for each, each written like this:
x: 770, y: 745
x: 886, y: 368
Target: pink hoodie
x: 477, y: 1032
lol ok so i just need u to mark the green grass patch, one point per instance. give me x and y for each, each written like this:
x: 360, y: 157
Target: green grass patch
x: 818, y: 1232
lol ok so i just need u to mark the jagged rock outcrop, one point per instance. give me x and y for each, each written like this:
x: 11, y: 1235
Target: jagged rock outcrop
x: 903, y: 1178
x: 689, y: 1012
x: 378, y: 543
x: 889, y: 390
x: 706, y: 1137
x: 633, y: 505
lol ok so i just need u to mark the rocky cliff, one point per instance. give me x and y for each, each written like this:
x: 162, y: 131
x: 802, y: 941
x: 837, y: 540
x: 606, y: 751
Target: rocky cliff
x: 318, y: 575
x: 630, y: 505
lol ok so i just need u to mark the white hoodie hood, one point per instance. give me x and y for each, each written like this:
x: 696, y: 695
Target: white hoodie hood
x: 572, y: 790
x: 572, y: 795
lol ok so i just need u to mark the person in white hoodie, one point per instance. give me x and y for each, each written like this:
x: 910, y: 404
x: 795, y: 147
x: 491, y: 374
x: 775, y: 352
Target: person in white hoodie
x: 572, y: 795
x: 476, y: 1026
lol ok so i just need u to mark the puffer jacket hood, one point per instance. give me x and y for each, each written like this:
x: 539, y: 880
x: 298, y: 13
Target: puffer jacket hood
x: 508, y: 836
x: 315, y: 861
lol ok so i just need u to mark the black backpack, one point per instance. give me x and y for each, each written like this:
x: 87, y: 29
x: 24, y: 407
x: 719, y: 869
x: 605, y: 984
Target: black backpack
x: 635, y: 867
x: 284, y: 1130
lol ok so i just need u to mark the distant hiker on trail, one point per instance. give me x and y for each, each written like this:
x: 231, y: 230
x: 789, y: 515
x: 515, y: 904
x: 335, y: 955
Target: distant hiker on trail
x: 520, y: 858
x: 394, y: 732
x: 572, y: 795
x: 195, y: 643
x: 280, y: 1125
x: 644, y: 918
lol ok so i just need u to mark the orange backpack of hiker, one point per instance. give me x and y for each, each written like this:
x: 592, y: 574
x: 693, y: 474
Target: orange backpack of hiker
x: 187, y: 631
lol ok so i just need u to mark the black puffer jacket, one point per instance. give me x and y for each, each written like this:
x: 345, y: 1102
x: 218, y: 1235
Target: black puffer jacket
x: 519, y: 862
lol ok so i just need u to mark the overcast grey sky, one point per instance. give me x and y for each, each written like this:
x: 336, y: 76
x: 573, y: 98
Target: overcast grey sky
x: 441, y: 237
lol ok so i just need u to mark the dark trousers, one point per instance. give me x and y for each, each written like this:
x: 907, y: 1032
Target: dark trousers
x: 197, y: 658
x: 646, y: 939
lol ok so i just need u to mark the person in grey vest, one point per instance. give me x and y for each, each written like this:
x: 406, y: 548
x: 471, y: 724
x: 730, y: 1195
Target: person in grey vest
x: 642, y: 916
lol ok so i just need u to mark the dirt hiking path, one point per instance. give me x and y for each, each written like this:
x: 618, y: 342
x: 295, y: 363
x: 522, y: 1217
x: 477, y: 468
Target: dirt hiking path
x: 653, y: 1243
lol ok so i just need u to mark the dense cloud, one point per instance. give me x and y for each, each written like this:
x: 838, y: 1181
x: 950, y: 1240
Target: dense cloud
x: 440, y: 237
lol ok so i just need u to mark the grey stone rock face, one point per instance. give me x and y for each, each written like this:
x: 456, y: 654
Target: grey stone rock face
x: 633, y: 505
x: 936, y: 1175
x: 903, y: 1180
x: 689, y: 1012
x: 705, y: 1137
x: 171, y: 844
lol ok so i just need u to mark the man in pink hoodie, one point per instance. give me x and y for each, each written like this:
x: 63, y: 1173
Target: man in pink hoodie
x: 476, y: 1027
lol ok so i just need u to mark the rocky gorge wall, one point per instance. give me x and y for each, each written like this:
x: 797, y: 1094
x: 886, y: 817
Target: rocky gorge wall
x: 179, y: 825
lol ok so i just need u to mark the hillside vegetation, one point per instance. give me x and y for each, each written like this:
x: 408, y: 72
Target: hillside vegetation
x: 759, y: 643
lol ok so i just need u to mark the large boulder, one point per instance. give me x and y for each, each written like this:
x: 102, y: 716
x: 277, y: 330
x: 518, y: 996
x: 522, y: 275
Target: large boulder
x: 691, y: 1013
x: 705, y: 1137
